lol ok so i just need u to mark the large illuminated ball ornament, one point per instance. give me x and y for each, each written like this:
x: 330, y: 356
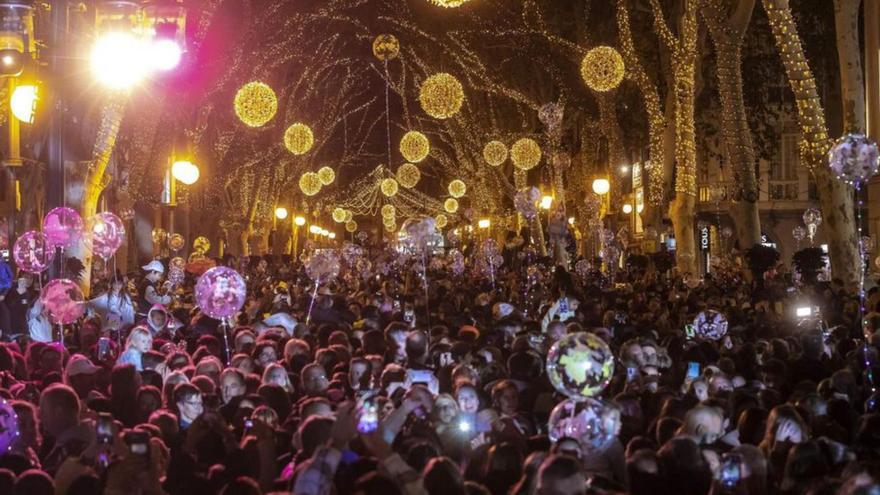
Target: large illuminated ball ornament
x: 854, y: 159
x: 310, y: 183
x: 450, y: 205
x: 63, y: 226
x: 710, y: 324
x: 592, y: 422
x: 389, y: 187
x: 338, y: 215
x: 495, y: 153
x: 441, y: 221
x: 351, y: 226
x: 348, y: 216
x: 525, y: 154
x: 388, y: 211
x: 408, y: 175
x: 63, y: 300
x: 107, y: 233
x: 457, y: 188
x: 386, y: 221
x: 221, y: 292
x: 449, y: 4
x: 326, y: 175
x: 414, y: 146
x: 386, y: 47
x: 9, y: 429
x: 322, y: 265
x: 202, y: 244
x: 255, y: 104
x: 441, y: 96
x: 298, y: 139
x: 580, y: 365
x: 176, y: 242
x: 159, y: 235
x: 602, y: 68
x: 32, y: 252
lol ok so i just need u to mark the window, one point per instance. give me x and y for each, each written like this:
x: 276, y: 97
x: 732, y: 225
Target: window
x: 789, y: 160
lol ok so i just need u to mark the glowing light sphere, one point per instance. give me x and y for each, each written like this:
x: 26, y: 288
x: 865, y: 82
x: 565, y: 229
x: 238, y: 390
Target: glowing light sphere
x: 24, y: 103
x: 414, y: 146
x: 601, y: 186
x: 450, y: 205
x: 255, y: 104
x: 298, y: 138
x: 441, y: 221
x: 602, y: 68
x: 185, y: 171
x: 309, y: 183
x: 338, y: 215
x: 351, y: 226
x: 386, y: 47
x: 326, y: 175
x: 449, y: 4
x: 408, y: 175
x: 457, y: 188
x: 525, y: 154
x: 164, y: 54
x: 441, y: 95
x: 391, y: 228
x: 281, y: 213
x: 348, y: 216
x: 495, y: 153
x: 118, y: 60
x: 389, y: 187
x: 388, y: 211
x: 389, y: 221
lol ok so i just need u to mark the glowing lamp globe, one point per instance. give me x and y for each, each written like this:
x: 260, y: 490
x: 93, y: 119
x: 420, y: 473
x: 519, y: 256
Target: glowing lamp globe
x: 298, y: 139
x: 525, y: 154
x: 408, y: 175
x: 118, y: 60
x: 601, y: 186
x: 314, y: 229
x: 388, y: 211
x: 389, y: 187
x: 546, y: 202
x: 627, y: 209
x: 484, y: 223
x: 164, y: 54
x: 351, y: 226
x: 326, y: 175
x: 386, y: 47
x: 24, y: 103
x: 450, y: 205
x: 299, y: 221
x: 281, y: 213
x: 495, y: 153
x: 414, y: 146
x: 185, y: 172
x: 338, y: 215
x: 441, y: 96
x: 449, y: 4
x: 457, y: 188
x: 602, y: 68
x: 441, y: 220
x: 309, y: 183
x: 255, y: 104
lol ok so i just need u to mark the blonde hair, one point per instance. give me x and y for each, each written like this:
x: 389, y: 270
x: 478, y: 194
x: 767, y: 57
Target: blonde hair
x: 275, y: 366
x: 137, y: 331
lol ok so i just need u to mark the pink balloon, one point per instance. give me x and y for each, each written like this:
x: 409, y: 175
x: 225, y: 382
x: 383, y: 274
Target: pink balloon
x: 106, y: 234
x: 63, y: 226
x: 221, y: 292
x: 63, y: 300
x: 32, y: 252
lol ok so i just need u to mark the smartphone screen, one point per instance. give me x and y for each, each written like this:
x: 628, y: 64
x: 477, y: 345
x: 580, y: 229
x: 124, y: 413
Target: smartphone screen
x: 103, y: 348
x: 632, y: 374
x: 408, y: 313
x: 693, y: 370
x: 423, y: 377
x: 104, y: 429
x: 368, y: 414
x: 689, y: 331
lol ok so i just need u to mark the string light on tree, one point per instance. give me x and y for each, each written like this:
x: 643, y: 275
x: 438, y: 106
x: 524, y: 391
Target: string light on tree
x: 602, y: 68
x: 525, y: 154
x: 457, y: 188
x: 298, y: 138
x: 326, y: 175
x: 389, y: 187
x: 450, y: 205
x: 309, y: 183
x: 414, y: 146
x: 449, y: 4
x: 338, y: 215
x: 408, y: 175
x: 495, y: 153
x: 386, y: 47
x: 441, y: 95
x: 255, y: 104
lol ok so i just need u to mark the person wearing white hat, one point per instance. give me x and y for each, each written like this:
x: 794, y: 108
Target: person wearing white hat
x: 149, y: 294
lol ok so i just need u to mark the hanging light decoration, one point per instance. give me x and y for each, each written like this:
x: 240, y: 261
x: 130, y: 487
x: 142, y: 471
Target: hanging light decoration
x: 255, y: 104
x: 386, y: 47
x: 326, y: 175
x: 309, y: 183
x: 414, y: 146
x: 389, y: 220
x: 495, y: 153
x: 440, y: 220
x: 441, y: 95
x: 408, y: 175
x: 388, y: 211
x: 298, y: 138
x: 389, y: 187
x: 348, y: 216
x: 457, y: 188
x: 391, y: 227
x: 525, y: 154
x: 351, y: 226
x: 449, y: 4
x: 602, y: 68
x: 338, y: 215
x: 450, y: 205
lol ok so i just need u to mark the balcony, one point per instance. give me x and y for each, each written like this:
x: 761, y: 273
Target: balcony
x: 783, y: 190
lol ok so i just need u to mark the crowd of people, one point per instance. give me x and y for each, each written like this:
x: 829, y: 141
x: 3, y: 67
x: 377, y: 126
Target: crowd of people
x: 419, y: 375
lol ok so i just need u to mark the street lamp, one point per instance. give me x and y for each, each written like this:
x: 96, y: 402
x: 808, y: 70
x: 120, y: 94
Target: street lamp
x: 627, y: 209
x: 546, y: 202
x: 165, y: 20
x: 299, y: 221
x: 185, y: 171
x: 484, y: 223
x: 281, y: 213
x: 23, y: 102
x: 17, y: 42
x: 601, y: 186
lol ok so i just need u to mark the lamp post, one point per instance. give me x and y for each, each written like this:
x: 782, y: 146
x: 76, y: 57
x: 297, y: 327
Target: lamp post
x: 298, y: 222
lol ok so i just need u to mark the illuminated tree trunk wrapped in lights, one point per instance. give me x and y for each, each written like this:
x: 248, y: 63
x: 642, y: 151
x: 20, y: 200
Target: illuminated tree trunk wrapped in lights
x: 536, y: 227
x: 727, y: 33
x: 96, y: 178
x: 835, y: 198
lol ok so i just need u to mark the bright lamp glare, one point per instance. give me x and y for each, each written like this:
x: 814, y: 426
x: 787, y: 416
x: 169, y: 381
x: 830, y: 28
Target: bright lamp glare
x: 164, y: 54
x: 118, y: 60
x: 803, y: 311
x: 300, y: 221
x: 484, y: 223
x: 24, y: 103
x: 546, y: 202
x: 281, y: 213
x: 571, y: 220
x: 185, y: 172
x: 601, y: 186
x: 333, y: 235
x: 627, y: 208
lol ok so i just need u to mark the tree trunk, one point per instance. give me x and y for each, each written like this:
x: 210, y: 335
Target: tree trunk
x: 852, y: 84
x: 727, y: 33
x: 96, y: 179
x: 835, y: 198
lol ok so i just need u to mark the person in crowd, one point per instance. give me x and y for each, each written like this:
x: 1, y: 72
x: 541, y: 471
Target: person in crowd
x: 139, y: 342
x: 149, y: 291
x: 18, y: 301
x: 114, y: 301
